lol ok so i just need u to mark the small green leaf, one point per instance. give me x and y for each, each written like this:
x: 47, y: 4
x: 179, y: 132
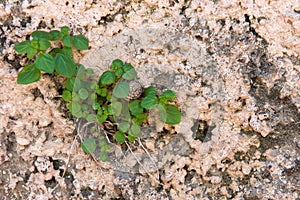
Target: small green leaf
x: 88, y: 145
x: 127, y: 67
x: 107, y: 78
x: 54, y: 52
x: 119, y: 137
x: 129, y: 74
x: 109, y: 110
x: 31, y: 52
x: 96, y: 106
x: 66, y: 95
x: 169, y: 114
x: 86, y: 84
x: 104, y: 92
x: 116, y: 64
x: 124, y: 126
x: 74, y: 107
x: 92, y: 98
x: 41, y: 35
x: 105, y: 147
x: 149, y: 102
x: 43, y: 44
x: 80, y: 42
x: 162, y: 112
x: 168, y: 95
x: 101, y: 118
x: 70, y: 83
x: 125, y: 116
x: 89, y: 71
x: 103, y: 156
x: 90, y: 117
x: 67, y: 41
x: 102, y: 141
x: 98, y: 91
x: 104, y: 109
x: 76, y: 113
x: 67, y: 51
x: 83, y: 93
x: 135, y: 107
x: 80, y: 71
x: 64, y: 30
x: 45, y: 62
x: 64, y: 65
x: 119, y: 72
x: 135, y: 130
x: 34, y: 44
x: 116, y: 108
x: 55, y: 35
x: 131, y: 138
x: 150, y: 91
x: 85, y: 114
x: 99, y: 111
x: 93, y: 86
x: 121, y: 89
x: 22, y: 47
x: 109, y: 97
x: 139, y: 119
x: 75, y: 97
x: 28, y: 74
x: 79, y: 114
x: 84, y: 107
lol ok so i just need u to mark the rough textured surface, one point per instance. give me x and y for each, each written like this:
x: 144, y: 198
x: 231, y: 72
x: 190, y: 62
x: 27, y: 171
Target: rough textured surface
x: 236, y: 70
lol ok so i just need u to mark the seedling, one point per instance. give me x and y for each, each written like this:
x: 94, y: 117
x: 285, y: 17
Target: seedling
x: 109, y: 99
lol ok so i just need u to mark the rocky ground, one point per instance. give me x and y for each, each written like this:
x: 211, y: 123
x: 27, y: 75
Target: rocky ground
x: 235, y: 66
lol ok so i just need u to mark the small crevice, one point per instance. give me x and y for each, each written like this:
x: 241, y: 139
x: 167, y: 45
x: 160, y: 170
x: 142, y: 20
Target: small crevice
x: 37, y: 93
x: 252, y: 30
x: 201, y: 131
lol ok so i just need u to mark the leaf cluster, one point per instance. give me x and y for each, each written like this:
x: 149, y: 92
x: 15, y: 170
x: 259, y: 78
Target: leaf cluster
x: 43, y: 57
x: 113, y: 89
x: 96, y: 101
x: 106, y: 100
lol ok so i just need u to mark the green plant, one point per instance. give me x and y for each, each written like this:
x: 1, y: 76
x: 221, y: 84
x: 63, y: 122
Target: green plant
x: 51, y: 60
x: 104, y: 100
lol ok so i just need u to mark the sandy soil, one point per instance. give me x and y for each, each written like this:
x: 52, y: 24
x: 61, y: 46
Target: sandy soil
x: 235, y: 66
